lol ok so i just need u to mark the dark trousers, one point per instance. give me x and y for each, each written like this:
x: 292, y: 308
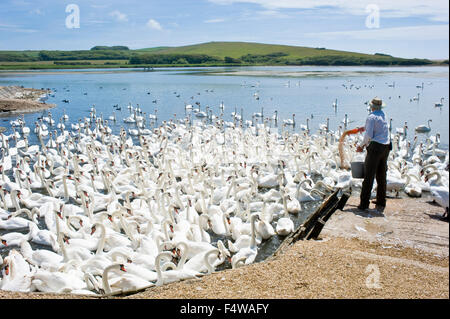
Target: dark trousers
x: 375, y: 166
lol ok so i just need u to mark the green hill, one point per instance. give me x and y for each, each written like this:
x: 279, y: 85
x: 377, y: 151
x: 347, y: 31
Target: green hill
x: 155, y: 49
x: 204, y: 54
x: 268, y: 54
x: 238, y: 49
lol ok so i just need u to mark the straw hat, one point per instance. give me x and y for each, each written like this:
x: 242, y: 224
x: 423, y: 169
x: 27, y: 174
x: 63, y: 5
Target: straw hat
x: 377, y: 102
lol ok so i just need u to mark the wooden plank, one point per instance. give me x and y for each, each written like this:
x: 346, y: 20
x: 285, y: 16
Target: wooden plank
x: 304, y: 229
x: 314, y: 233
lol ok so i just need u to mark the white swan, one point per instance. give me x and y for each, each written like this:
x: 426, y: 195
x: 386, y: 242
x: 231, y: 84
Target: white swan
x: 17, y: 273
x: 13, y: 222
x: 423, y: 128
x: 440, y: 194
x: 263, y: 226
x: 413, y: 189
x: 122, y: 283
x: 290, y: 121
x: 250, y: 251
x: 440, y: 103
x: 165, y: 277
x: 200, y: 262
x: 56, y: 281
x: 14, y: 239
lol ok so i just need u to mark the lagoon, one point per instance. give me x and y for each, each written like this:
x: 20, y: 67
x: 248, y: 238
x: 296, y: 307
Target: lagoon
x: 308, y: 92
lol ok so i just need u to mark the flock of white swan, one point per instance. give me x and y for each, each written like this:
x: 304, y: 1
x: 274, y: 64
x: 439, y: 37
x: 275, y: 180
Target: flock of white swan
x: 118, y: 214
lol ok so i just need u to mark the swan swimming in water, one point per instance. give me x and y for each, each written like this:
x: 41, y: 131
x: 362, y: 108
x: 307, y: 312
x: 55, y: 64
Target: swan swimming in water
x: 423, y: 128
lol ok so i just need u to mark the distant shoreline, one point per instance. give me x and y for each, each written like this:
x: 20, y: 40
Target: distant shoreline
x: 41, y: 67
x: 106, y: 70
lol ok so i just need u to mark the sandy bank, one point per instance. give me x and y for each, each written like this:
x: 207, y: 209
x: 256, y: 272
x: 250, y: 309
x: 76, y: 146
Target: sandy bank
x: 16, y: 100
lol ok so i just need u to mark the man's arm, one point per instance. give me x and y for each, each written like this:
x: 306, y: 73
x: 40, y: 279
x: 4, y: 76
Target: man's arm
x: 367, y: 136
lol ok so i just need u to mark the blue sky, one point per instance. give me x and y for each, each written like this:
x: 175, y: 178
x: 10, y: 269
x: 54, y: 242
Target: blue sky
x: 406, y: 28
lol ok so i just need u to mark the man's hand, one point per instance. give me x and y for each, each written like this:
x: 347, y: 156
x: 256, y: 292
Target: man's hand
x: 359, y: 149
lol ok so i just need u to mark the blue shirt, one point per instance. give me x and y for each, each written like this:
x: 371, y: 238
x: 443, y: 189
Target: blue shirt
x: 376, y: 128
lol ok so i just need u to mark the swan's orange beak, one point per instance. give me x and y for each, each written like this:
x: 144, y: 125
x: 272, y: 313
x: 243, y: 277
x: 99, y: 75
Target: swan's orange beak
x: 4, y: 242
x: 7, y: 270
x: 122, y: 267
x: 93, y: 229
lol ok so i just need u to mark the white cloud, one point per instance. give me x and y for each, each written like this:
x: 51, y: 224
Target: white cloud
x: 5, y: 25
x: 99, y: 6
x: 418, y: 33
x: 436, y: 10
x: 272, y: 13
x: 119, y: 16
x: 153, y: 24
x: 37, y: 11
x: 214, y: 20
x: 15, y: 28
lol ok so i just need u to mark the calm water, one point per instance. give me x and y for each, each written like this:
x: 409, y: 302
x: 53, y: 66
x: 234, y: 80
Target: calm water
x: 304, y: 91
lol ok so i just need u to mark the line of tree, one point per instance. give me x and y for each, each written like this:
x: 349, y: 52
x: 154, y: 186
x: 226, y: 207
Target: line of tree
x: 275, y: 58
x: 71, y: 63
x: 264, y: 58
x: 114, y: 48
x: 84, y: 55
x: 17, y: 57
x: 173, y: 59
x: 357, y: 60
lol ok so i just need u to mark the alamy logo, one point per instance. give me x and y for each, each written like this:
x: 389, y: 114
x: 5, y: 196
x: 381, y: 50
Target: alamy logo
x: 73, y: 19
x: 373, y: 19
x: 373, y: 280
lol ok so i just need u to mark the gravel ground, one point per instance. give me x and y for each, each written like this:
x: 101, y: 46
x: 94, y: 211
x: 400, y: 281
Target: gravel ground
x: 15, y: 99
x: 402, y: 253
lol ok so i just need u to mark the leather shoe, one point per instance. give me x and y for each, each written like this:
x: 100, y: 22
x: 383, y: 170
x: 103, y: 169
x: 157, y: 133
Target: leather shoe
x: 380, y: 208
x: 360, y: 207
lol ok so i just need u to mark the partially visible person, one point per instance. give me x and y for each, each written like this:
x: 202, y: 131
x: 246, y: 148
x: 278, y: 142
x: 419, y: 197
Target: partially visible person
x: 377, y: 142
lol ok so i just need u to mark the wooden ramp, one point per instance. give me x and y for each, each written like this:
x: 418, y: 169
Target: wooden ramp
x: 314, y: 224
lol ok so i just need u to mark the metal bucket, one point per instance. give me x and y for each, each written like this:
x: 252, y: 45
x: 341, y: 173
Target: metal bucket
x: 357, y: 169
